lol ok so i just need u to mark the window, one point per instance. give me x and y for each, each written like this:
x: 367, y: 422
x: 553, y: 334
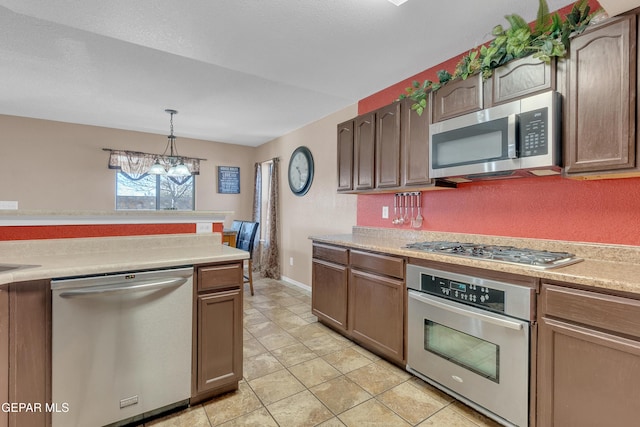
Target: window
x: 155, y: 192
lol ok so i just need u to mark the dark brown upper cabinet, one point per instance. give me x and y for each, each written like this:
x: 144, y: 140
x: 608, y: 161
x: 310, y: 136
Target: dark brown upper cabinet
x: 457, y: 98
x: 519, y: 78
x: 388, y: 146
x: 364, y: 151
x: 385, y: 149
x: 345, y: 156
x: 600, y: 105
x: 414, y: 144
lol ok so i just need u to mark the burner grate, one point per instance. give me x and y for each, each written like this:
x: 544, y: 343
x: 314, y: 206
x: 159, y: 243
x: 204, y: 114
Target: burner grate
x: 509, y: 254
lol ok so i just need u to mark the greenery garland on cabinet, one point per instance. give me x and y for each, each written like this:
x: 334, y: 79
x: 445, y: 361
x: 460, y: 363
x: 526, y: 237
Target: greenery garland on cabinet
x: 548, y: 38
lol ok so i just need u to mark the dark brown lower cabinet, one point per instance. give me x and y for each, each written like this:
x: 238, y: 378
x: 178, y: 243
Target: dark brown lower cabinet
x: 329, y: 296
x: 25, y: 347
x: 217, y: 336
x: 363, y: 296
x: 329, y: 279
x: 376, y: 313
x: 588, y: 359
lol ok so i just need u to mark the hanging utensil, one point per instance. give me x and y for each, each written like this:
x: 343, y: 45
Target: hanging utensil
x: 406, y: 209
x: 418, y: 221
x: 400, y: 205
x: 394, y: 221
x: 413, y: 203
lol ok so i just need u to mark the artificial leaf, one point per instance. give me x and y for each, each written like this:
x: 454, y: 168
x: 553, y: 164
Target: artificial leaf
x: 542, y: 21
x: 516, y: 21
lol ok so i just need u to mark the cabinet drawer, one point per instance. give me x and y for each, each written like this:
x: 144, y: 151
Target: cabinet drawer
x: 381, y: 264
x: 331, y: 253
x: 219, y: 276
x: 621, y: 315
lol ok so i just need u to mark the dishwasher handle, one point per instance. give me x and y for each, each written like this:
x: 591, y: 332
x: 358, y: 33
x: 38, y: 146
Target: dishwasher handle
x: 468, y: 313
x: 125, y: 287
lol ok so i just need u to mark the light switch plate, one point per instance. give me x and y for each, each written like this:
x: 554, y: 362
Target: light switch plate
x: 385, y: 212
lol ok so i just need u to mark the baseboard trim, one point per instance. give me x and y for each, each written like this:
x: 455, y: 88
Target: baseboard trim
x: 296, y: 283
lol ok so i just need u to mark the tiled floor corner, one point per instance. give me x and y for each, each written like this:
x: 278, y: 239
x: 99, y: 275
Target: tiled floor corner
x: 297, y: 372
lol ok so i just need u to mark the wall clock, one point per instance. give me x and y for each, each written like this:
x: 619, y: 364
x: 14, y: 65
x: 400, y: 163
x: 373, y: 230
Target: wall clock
x: 300, y: 171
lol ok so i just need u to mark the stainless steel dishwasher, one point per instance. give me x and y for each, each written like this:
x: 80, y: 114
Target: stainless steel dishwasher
x: 121, y: 346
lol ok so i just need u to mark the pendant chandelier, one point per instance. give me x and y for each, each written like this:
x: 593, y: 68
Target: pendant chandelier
x: 174, y: 161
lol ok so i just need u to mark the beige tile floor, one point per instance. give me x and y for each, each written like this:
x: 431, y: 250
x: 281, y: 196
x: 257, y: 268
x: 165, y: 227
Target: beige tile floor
x: 298, y: 372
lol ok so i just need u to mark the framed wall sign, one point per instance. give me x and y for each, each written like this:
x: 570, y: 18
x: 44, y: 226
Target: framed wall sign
x: 229, y: 179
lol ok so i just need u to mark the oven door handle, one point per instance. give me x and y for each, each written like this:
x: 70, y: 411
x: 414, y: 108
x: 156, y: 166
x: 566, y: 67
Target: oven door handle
x: 468, y: 313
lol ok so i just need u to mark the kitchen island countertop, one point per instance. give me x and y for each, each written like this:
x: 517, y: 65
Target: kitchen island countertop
x: 57, y: 258
x: 604, y: 267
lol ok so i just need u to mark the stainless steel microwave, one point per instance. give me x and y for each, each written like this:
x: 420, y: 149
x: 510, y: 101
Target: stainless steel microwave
x: 515, y: 139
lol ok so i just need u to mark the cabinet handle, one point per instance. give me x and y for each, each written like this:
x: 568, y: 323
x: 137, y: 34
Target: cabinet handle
x: 124, y: 287
x: 467, y: 313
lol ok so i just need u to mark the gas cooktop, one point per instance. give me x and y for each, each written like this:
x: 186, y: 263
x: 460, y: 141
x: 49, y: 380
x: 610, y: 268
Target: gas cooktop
x: 508, y: 254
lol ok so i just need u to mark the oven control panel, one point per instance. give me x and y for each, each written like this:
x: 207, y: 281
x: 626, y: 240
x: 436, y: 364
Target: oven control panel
x: 466, y: 293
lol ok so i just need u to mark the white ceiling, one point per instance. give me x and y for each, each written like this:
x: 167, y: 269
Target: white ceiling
x: 238, y: 71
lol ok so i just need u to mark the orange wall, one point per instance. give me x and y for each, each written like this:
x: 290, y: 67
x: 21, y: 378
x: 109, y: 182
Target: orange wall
x: 29, y: 232
x: 606, y: 211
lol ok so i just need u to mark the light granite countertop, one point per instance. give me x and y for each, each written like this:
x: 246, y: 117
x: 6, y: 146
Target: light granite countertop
x: 57, y: 258
x: 604, y: 267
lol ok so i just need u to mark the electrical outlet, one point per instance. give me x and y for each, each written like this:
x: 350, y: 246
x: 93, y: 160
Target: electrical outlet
x: 204, y: 227
x: 8, y: 205
x: 385, y: 212
x: 291, y: 261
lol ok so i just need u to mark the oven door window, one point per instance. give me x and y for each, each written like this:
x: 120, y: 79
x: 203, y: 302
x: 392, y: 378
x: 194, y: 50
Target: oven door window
x: 472, y: 353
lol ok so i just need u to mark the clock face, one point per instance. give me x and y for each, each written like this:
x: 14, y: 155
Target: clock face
x: 300, y: 171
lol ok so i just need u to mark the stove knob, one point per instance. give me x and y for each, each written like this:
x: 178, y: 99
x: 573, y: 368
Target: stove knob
x: 486, y: 297
x: 481, y: 298
x: 456, y: 294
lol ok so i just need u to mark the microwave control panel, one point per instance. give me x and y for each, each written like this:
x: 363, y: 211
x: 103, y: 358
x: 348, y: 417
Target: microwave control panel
x: 534, y: 133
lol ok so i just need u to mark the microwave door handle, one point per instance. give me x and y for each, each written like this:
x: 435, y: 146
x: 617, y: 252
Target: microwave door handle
x: 512, y: 149
x: 467, y: 313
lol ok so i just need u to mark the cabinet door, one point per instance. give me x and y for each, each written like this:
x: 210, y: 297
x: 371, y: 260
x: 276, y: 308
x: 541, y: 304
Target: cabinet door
x: 457, y: 98
x: 376, y: 313
x: 364, y: 152
x: 345, y: 156
x: 329, y: 293
x: 586, y: 377
x: 522, y: 77
x: 601, y: 96
x: 415, y: 144
x: 29, y: 351
x: 219, y: 344
x: 388, y: 146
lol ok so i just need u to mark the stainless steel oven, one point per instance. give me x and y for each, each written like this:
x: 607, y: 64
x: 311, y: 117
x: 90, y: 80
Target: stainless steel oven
x: 470, y: 337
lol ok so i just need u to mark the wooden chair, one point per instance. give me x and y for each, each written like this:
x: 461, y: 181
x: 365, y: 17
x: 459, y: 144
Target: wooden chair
x: 245, y: 241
